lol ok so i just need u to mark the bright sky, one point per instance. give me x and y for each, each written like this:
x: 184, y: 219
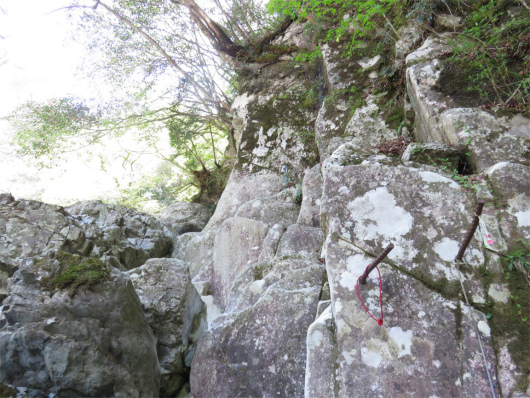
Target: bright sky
x: 41, y: 64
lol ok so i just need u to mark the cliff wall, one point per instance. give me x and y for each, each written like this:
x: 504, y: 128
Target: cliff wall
x: 336, y: 159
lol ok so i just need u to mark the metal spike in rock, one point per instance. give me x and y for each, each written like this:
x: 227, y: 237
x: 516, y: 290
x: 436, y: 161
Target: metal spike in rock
x: 471, y: 231
x: 376, y: 262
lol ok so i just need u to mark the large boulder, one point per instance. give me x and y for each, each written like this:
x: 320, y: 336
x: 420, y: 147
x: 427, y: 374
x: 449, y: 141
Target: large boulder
x: 427, y: 345
x: 258, y: 349
x: 75, y: 327
x: 116, y: 232
x: 441, y: 118
x: 182, y: 217
x: 29, y: 228
x: 173, y: 309
x: 371, y: 204
x: 511, y: 187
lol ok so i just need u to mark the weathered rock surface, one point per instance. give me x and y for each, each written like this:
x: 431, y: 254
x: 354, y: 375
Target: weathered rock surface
x: 131, y: 238
x: 372, y: 205
x: 118, y: 236
x: 241, y: 188
x: 182, y: 217
x: 173, y: 309
x: 278, y: 277
x: 422, y: 338
x: 300, y: 239
x: 432, y: 154
x: 237, y: 245
x: 93, y: 343
x: 270, y: 211
x: 259, y: 348
x: 511, y: 186
x: 439, y: 118
x: 312, y: 191
x: 321, y: 357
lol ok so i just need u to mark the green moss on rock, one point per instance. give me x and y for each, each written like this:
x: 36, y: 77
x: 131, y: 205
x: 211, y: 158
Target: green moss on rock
x: 7, y: 392
x: 75, y: 272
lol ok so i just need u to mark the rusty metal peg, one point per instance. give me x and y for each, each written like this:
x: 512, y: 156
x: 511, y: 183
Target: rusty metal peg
x: 376, y: 262
x: 471, y: 231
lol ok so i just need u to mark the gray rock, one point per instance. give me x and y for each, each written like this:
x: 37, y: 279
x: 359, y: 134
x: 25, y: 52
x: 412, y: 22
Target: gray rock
x: 421, y: 330
x: 367, y: 128
x: 130, y: 237
x: 321, y: 358
x: 511, y: 187
x: 449, y: 21
x: 311, y: 191
x: 432, y: 154
x: 241, y: 188
x: 331, y: 121
x: 270, y: 243
x: 196, y: 250
x: 372, y: 204
x: 297, y: 35
x: 410, y: 36
x: 270, y: 211
x: 182, y: 217
x: 180, y: 243
x: 173, y: 309
x: 28, y: 228
x: 93, y: 343
x: 238, y: 244
x: 302, y: 240
x: 487, y: 139
x: 260, y: 351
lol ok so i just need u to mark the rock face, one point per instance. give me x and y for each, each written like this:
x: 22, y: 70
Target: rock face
x: 80, y: 341
x: 121, y: 237
x: 173, y: 309
x: 252, y: 350
x: 262, y: 299
x: 182, y: 217
x: 355, y: 202
x: 92, y: 343
x: 120, y: 234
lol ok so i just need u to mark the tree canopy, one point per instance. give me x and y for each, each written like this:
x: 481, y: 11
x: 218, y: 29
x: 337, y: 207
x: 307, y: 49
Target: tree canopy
x: 170, y: 65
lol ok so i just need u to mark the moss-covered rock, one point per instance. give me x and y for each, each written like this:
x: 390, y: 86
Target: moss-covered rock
x: 72, y: 272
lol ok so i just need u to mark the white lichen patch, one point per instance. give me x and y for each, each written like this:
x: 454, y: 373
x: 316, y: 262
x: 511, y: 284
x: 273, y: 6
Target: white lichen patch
x: 369, y: 62
x: 446, y: 249
x: 430, y: 177
x: 256, y: 287
x: 344, y: 190
x: 377, y: 215
x: 355, y: 266
x: 484, y: 328
x: 370, y: 358
x: 449, y: 305
x: 403, y: 340
x: 348, y: 357
x: 499, y: 293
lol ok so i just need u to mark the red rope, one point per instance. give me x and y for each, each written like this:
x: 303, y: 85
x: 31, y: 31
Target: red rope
x: 379, y: 321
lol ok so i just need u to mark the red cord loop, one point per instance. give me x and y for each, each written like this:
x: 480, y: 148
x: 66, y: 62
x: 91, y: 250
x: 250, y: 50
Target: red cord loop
x: 379, y: 321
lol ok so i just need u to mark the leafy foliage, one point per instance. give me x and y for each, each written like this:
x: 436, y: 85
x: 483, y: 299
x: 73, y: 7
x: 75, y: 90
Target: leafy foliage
x: 495, y: 50
x: 41, y: 128
x: 161, y: 58
x: 151, y: 193
x: 364, y: 15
